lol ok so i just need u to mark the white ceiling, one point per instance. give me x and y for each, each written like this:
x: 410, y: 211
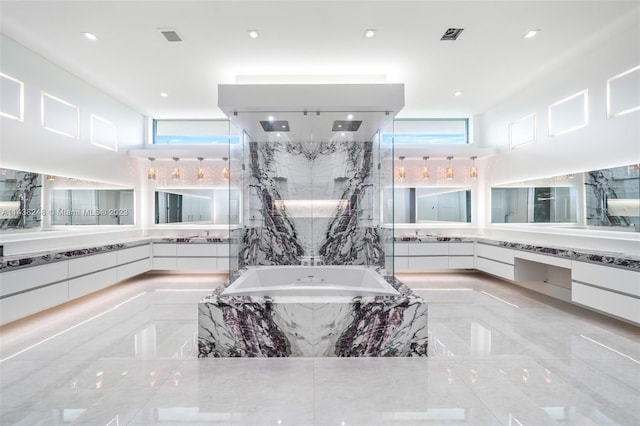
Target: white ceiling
x: 309, y: 41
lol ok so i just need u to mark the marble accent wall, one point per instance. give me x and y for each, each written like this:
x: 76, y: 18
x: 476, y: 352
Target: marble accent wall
x: 311, y: 203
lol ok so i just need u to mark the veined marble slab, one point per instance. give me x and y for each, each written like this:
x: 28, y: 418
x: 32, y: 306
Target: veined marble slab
x: 245, y: 326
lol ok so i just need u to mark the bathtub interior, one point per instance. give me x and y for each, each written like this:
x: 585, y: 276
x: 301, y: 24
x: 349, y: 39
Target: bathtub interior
x: 314, y: 281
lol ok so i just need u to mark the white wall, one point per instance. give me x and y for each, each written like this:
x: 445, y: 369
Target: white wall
x: 28, y: 146
x: 602, y: 143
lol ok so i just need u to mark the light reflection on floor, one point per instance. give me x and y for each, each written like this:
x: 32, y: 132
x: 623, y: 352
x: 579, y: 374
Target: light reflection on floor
x: 499, y: 355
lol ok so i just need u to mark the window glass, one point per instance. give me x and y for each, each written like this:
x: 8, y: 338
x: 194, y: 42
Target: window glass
x: 429, y: 131
x: 193, y: 132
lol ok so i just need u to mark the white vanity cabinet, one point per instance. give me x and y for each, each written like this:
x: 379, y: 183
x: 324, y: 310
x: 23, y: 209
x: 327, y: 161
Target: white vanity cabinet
x: 32, y: 289
x: 609, y: 289
x: 195, y: 257
x: 92, y: 273
x: 494, y: 260
x: 425, y: 256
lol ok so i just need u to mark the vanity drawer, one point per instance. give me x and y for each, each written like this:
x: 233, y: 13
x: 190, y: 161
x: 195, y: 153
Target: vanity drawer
x: 612, y: 278
x: 32, y: 277
x: 498, y: 254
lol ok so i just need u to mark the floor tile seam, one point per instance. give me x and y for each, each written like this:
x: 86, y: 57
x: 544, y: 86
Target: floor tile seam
x: 566, y: 376
x: 615, y: 378
x: 482, y: 403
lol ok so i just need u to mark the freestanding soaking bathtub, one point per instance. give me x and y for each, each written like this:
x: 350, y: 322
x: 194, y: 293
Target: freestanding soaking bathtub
x: 277, y: 311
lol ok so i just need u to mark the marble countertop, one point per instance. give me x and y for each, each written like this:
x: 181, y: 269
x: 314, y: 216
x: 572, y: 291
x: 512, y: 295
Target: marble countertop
x: 18, y: 261
x: 606, y: 258
x: 620, y: 260
x: 432, y: 239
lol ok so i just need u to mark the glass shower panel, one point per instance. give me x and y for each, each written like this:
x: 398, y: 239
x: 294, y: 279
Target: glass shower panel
x: 311, y: 189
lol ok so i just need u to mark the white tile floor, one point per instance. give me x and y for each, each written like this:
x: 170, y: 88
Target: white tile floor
x: 500, y: 355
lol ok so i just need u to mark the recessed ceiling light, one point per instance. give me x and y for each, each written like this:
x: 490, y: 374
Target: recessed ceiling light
x: 369, y: 33
x: 531, y: 33
x: 90, y: 36
x: 164, y: 95
x: 253, y: 33
x: 458, y: 93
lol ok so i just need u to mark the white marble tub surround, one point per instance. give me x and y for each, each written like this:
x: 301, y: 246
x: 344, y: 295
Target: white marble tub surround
x: 309, y: 281
x: 313, y: 324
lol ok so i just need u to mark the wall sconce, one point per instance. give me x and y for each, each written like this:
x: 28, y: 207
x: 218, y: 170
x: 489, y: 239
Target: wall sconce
x: 473, y: 171
x: 402, y: 173
x: 449, y: 172
x: 225, y: 171
x: 175, y: 172
x: 51, y: 178
x: 152, y: 172
x: 425, y: 169
x: 200, y: 169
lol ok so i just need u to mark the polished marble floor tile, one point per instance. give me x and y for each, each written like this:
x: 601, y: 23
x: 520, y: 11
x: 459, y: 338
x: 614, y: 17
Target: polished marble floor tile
x: 499, y: 355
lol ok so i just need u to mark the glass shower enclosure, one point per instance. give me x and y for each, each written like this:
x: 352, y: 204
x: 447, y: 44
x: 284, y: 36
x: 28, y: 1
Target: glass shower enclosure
x: 311, y: 188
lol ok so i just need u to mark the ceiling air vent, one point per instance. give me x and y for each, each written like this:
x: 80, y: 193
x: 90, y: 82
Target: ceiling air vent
x: 171, y: 35
x: 452, y: 34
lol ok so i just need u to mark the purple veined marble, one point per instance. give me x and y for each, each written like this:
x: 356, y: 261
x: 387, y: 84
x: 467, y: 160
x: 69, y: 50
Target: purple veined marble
x: 347, y: 326
x: 327, y: 171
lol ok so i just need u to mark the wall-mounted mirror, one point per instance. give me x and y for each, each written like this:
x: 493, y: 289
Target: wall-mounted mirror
x: 538, y: 204
x: 32, y: 201
x: 219, y: 206
x: 91, y: 207
x: 427, y: 205
x: 605, y: 199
